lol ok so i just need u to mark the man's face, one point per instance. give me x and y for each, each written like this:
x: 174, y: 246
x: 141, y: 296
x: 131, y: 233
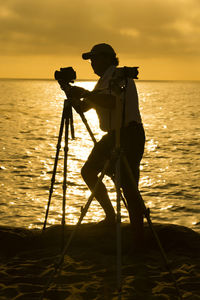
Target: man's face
x: 100, y: 63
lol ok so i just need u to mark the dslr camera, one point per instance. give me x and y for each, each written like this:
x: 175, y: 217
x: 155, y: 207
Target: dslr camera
x: 126, y: 72
x: 65, y: 74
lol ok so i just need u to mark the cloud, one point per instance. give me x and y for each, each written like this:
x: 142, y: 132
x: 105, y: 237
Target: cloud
x: 141, y: 28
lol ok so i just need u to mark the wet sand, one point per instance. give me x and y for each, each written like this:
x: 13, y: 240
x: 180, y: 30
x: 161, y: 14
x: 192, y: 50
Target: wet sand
x: 88, y: 270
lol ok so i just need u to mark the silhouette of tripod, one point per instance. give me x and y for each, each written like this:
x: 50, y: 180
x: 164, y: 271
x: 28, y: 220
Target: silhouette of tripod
x: 65, y: 125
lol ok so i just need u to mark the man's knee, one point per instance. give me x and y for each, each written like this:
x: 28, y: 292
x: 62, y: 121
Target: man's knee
x: 84, y: 171
x: 127, y: 178
x: 87, y: 172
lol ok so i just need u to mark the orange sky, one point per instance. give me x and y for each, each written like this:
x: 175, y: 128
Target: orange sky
x: 40, y: 36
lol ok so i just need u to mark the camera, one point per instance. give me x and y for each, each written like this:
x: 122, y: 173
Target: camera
x: 120, y: 76
x: 65, y: 74
x: 126, y: 72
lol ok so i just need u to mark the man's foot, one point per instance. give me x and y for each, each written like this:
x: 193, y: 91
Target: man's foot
x: 107, y: 222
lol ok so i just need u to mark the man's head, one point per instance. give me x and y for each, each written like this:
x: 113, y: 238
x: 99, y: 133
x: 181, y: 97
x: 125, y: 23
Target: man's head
x: 102, y: 56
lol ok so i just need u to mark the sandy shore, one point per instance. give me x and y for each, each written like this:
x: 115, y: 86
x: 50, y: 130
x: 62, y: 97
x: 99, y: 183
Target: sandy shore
x: 88, y: 270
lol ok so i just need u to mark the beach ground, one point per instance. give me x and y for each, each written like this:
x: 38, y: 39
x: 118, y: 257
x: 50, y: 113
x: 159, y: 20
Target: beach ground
x: 33, y: 265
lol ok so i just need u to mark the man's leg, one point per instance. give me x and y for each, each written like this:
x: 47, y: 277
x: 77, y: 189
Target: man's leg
x: 133, y: 146
x: 93, y: 166
x: 134, y: 206
x: 90, y: 176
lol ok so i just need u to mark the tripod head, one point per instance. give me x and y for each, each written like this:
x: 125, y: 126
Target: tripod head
x: 64, y: 77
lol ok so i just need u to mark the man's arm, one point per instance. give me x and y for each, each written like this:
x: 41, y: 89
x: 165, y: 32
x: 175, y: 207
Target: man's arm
x: 90, y: 100
x: 95, y: 99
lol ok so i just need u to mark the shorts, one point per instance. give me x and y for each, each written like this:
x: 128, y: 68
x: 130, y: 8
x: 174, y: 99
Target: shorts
x: 132, y: 144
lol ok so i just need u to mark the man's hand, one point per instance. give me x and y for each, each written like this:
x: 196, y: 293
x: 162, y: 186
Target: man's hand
x: 74, y: 91
x: 77, y: 104
x: 77, y: 92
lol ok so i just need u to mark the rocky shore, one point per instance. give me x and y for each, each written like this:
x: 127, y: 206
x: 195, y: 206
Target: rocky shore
x: 88, y: 269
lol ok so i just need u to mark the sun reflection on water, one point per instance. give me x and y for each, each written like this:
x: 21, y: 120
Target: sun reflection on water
x: 151, y: 145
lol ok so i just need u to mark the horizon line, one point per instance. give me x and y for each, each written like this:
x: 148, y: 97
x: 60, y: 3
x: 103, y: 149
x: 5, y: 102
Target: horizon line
x: 82, y: 79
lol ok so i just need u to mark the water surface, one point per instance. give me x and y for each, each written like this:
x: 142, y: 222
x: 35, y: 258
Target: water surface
x: 30, y: 120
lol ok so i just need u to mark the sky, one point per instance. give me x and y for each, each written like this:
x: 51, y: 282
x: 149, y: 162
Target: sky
x: 38, y: 37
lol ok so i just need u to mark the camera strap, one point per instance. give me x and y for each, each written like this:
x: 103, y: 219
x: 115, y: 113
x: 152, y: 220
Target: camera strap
x: 124, y: 102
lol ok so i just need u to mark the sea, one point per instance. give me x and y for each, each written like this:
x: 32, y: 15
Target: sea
x: 30, y: 121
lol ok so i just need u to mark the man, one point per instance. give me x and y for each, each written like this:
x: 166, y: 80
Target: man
x: 103, y: 99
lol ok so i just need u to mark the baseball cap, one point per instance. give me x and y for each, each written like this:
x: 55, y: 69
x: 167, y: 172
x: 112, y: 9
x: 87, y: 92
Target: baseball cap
x: 99, y: 49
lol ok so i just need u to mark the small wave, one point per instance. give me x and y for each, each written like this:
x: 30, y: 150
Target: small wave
x: 197, y: 224
x: 185, y: 209
x: 71, y: 183
x: 36, y: 138
x: 178, y: 208
x: 25, y: 131
x: 23, y: 187
x: 156, y: 194
x: 27, y: 175
x: 166, y: 186
x: 44, y: 187
x: 19, y: 167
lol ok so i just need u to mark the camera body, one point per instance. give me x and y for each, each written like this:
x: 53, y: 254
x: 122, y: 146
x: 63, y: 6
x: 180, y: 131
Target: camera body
x: 126, y: 72
x: 65, y: 74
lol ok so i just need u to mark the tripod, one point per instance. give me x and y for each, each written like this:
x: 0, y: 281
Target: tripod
x: 120, y: 158
x: 66, y: 123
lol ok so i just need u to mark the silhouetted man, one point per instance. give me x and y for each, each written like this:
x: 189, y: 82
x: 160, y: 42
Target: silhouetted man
x: 102, y: 99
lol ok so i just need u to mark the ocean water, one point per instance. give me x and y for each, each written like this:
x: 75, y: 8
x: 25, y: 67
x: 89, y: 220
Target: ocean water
x: 30, y: 120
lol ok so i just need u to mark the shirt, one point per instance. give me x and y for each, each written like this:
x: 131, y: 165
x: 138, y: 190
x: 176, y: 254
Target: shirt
x: 129, y: 99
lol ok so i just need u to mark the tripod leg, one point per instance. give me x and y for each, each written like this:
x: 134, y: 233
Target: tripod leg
x: 83, y: 118
x: 67, y: 122
x: 71, y: 123
x: 83, y: 213
x: 55, y: 166
x: 119, y: 247
x: 86, y: 207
